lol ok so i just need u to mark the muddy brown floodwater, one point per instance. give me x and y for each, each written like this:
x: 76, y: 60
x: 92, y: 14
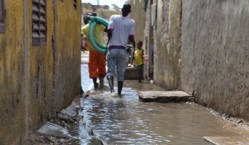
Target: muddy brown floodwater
x: 127, y: 121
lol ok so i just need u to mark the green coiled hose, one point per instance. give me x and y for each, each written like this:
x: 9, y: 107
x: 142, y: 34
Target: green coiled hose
x: 94, y: 20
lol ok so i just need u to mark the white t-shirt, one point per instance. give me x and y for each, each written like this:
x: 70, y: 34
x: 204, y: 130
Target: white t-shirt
x: 122, y: 28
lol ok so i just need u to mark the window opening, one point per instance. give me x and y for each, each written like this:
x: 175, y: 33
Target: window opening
x: 39, y: 29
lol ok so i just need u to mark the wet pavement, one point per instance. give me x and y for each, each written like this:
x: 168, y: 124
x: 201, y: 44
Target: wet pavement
x: 127, y: 120
x: 97, y: 118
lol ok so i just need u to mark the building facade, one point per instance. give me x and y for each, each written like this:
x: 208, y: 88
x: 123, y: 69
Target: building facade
x: 39, y: 63
x: 200, y: 47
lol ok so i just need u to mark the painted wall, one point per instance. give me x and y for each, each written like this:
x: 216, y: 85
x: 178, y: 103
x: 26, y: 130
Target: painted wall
x: 68, y: 57
x: 36, y: 82
x: 12, y: 96
x: 41, y: 91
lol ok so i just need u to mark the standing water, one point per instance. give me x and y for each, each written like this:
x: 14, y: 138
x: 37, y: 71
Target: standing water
x: 126, y: 120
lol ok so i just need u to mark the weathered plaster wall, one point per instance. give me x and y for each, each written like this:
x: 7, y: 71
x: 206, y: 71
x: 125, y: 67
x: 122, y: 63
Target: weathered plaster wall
x: 201, y: 48
x: 41, y: 77
x: 55, y: 68
x: 137, y: 14
x: 147, y: 38
x: 11, y: 74
x: 143, y: 29
x: 35, y: 82
x: 69, y: 55
x: 141, y: 26
x: 167, y: 34
x: 215, y: 53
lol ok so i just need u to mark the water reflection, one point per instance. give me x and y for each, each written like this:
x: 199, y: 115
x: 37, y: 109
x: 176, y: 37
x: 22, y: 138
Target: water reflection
x: 129, y: 121
x: 126, y: 120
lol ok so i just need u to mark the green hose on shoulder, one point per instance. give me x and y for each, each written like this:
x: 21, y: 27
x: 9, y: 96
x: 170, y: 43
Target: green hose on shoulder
x: 94, y: 20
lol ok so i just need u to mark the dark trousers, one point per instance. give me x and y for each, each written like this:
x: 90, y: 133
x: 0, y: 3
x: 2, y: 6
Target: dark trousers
x: 140, y: 69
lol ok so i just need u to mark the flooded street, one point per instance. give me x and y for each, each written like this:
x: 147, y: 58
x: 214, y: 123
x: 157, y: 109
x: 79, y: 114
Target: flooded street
x: 127, y: 120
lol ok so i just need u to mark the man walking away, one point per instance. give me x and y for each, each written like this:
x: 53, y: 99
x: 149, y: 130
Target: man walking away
x: 120, y: 30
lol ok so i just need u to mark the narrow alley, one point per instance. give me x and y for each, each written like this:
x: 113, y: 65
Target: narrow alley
x: 106, y: 120
x: 127, y: 120
x: 180, y: 71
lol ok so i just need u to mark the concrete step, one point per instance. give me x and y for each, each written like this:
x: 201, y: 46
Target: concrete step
x: 164, y: 96
x: 131, y: 73
x: 220, y: 140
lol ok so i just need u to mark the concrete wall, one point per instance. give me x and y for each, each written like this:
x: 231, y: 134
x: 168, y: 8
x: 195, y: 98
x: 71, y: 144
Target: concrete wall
x: 37, y: 81
x: 137, y: 14
x: 41, y: 60
x: 68, y: 51
x: 12, y: 96
x: 167, y: 44
x: 201, y: 48
x: 142, y: 28
x: 215, y: 54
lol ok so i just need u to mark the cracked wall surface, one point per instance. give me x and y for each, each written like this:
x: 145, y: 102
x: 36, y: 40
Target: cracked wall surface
x: 215, y: 54
x: 37, y: 81
x: 201, y: 47
x: 167, y: 33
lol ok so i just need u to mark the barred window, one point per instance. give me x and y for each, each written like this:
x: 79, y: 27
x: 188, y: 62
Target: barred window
x: 2, y: 16
x: 39, y: 30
